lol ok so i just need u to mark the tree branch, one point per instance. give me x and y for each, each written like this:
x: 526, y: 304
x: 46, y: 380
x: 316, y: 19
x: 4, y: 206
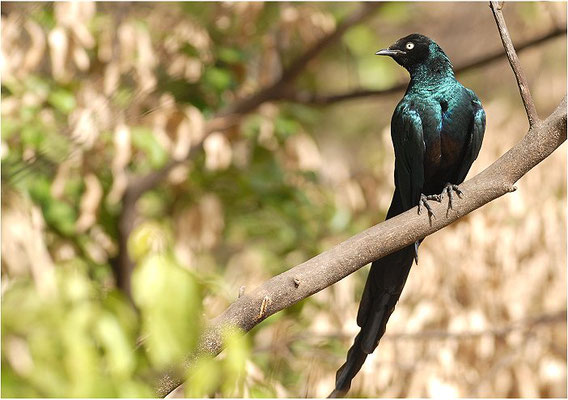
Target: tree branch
x: 322, y: 100
x: 327, y: 268
x: 227, y: 118
x: 522, y: 325
x: 515, y: 64
x: 277, y: 89
x: 137, y: 186
x: 525, y: 324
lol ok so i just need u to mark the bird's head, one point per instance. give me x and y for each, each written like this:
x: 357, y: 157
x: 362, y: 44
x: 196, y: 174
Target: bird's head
x: 415, y: 50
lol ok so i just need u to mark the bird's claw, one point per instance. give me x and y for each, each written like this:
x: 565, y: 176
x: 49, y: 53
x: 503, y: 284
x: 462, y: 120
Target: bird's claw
x: 449, y: 189
x: 424, y: 202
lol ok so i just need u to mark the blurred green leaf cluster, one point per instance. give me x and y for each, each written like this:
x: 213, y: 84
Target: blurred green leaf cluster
x: 66, y: 141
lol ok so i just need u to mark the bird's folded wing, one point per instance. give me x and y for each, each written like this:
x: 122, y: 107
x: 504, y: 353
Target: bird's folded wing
x: 409, y: 148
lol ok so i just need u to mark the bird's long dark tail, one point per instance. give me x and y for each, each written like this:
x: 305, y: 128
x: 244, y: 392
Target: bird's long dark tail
x: 382, y: 291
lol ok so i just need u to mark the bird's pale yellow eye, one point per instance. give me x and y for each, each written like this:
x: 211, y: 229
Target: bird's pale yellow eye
x: 409, y: 46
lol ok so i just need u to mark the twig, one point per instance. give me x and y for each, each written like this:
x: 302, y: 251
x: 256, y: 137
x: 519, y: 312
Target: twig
x: 314, y: 99
x: 515, y: 64
x: 345, y: 258
x: 522, y: 325
x: 296, y: 67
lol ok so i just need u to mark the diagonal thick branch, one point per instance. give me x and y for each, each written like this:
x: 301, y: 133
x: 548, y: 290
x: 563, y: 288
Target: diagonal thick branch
x: 327, y: 268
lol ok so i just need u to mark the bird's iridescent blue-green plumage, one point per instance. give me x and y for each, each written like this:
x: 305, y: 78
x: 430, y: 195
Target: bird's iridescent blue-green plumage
x: 437, y: 130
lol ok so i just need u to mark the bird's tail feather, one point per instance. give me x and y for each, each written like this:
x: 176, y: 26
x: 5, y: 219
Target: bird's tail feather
x: 383, y: 288
x: 376, y: 307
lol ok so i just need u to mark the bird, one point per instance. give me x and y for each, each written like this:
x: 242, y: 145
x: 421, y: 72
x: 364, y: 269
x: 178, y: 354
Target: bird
x: 437, y: 130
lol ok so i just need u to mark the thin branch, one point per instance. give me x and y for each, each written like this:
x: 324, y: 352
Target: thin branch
x: 277, y: 89
x: 522, y: 325
x: 525, y: 324
x: 515, y: 64
x: 393, y: 234
x: 314, y: 99
x: 229, y: 117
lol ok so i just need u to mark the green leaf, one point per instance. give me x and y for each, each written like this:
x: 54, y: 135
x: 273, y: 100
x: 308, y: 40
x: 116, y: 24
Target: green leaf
x: 32, y: 136
x: 219, y: 79
x: 147, y: 238
x: 119, y: 354
x: 285, y: 127
x: 170, y: 303
x: 203, y: 378
x: 62, y: 100
x: 40, y: 190
x: 61, y: 216
x: 143, y: 139
x: 361, y: 40
x: 230, y: 55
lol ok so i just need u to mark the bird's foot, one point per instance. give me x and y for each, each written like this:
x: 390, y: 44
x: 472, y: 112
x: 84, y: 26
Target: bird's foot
x: 424, y: 203
x: 450, y: 188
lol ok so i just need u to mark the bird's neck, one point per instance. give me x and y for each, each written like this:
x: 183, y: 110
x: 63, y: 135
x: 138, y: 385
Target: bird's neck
x: 437, y: 71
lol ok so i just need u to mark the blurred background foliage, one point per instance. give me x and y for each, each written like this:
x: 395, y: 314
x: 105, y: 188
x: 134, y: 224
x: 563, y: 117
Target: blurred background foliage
x: 96, y: 95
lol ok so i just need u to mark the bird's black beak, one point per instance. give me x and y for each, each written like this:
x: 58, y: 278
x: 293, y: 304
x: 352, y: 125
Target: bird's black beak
x: 389, y: 52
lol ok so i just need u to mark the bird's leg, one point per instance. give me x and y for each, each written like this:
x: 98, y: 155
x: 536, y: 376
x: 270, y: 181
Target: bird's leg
x: 424, y: 202
x: 450, y: 188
